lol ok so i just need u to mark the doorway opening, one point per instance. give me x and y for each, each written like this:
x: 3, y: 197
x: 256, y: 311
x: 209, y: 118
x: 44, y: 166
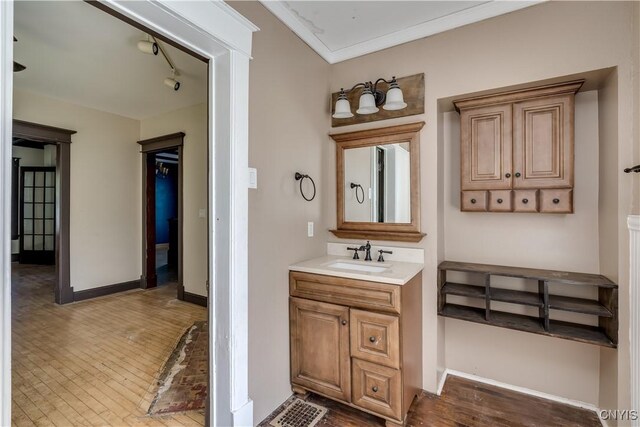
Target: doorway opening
x: 162, y: 208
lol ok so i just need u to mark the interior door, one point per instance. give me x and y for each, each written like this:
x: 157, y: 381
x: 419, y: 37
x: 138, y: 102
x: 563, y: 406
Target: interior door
x: 37, y: 215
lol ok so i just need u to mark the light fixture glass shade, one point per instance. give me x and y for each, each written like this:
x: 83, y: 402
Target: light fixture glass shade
x: 395, y: 98
x: 343, y: 108
x: 367, y: 103
x: 148, y: 47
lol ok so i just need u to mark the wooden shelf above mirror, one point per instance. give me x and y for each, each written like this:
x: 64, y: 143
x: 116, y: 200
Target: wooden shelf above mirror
x: 378, y: 183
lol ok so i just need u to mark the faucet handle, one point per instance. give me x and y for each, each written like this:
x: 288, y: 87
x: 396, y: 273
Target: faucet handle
x: 381, y: 258
x: 355, y: 252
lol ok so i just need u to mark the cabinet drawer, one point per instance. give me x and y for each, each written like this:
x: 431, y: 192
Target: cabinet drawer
x: 473, y: 201
x: 377, y: 388
x: 375, y: 337
x: 525, y: 201
x: 500, y: 201
x: 349, y: 292
x: 559, y: 200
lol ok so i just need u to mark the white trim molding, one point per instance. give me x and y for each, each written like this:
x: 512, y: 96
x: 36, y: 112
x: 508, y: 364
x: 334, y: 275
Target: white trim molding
x: 6, y: 113
x: 473, y: 14
x: 217, y: 32
x: 633, y: 222
x: 524, y: 390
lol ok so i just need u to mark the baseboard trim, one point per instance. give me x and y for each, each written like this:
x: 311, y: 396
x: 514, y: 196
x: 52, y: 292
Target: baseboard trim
x: 524, y: 390
x: 194, y: 298
x: 105, y: 290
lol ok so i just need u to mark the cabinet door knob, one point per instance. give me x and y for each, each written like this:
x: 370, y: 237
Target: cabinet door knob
x: 525, y: 201
x: 518, y: 175
x: 507, y: 175
x: 499, y: 200
x: 344, y: 322
x: 372, y: 339
x: 374, y: 388
x: 556, y: 201
x: 473, y: 201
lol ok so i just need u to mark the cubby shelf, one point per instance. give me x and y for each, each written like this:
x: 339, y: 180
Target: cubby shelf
x: 605, y: 307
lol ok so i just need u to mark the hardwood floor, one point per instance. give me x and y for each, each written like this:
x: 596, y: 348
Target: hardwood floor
x: 464, y: 403
x: 94, y: 362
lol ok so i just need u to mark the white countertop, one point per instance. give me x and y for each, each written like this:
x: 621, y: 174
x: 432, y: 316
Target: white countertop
x: 395, y: 273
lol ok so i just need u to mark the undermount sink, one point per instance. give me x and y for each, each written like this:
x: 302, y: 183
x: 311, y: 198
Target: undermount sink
x: 357, y: 267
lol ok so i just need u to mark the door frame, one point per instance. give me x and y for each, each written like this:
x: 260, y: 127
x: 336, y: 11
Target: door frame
x: 150, y: 147
x: 61, y: 138
x: 223, y: 36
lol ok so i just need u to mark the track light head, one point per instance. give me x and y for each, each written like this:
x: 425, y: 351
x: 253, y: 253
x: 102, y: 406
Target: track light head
x: 172, y: 83
x: 148, y: 47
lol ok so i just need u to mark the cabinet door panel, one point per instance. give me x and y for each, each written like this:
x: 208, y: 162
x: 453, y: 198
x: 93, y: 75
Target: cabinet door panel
x: 542, y: 142
x: 377, y: 388
x: 485, y: 151
x: 320, y: 347
x: 375, y: 337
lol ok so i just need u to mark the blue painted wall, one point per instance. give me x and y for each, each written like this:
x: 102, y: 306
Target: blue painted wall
x: 166, y: 202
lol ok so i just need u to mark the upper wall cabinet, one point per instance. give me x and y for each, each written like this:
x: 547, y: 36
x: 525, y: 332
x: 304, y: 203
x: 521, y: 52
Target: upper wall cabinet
x: 516, y: 150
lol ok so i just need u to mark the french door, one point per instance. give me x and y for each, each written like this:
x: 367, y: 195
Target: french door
x: 37, y: 215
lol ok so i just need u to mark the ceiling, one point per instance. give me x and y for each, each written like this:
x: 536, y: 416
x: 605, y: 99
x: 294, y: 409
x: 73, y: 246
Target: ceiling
x: 341, y: 30
x: 79, y: 54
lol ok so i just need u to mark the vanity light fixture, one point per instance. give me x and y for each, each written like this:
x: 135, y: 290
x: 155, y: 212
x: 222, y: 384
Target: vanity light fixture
x: 152, y: 46
x: 371, y: 99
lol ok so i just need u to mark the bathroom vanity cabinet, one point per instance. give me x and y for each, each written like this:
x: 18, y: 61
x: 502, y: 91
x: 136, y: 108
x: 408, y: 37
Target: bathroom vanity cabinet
x: 358, y: 342
x: 516, y: 150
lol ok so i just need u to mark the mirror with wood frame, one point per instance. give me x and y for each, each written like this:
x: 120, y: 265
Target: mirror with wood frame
x: 378, y: 183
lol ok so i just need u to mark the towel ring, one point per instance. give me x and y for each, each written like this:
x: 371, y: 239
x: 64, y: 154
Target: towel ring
x: 301, y: 177
x: 356, y: 186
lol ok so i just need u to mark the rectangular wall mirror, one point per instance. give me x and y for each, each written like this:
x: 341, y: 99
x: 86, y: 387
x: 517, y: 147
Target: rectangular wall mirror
x: 378, y: 183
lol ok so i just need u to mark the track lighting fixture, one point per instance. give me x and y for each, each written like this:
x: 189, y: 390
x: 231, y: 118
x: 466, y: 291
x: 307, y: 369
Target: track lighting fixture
x: 153, y: 46
x: 147, y: 46
x: 172, y: 83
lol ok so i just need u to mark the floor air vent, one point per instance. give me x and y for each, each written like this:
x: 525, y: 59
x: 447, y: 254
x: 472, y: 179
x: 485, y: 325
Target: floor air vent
x: 299, y: 414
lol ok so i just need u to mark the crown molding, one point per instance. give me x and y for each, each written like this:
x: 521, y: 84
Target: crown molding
x: 448, y: 22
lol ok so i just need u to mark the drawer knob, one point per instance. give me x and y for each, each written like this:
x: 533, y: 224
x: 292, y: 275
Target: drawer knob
x: 374, y: 388
x: 556, y: 201
x: 344, y: 322
x: 525, y: 201
x: 499, y: 200
x: 473, y: 201
x: 518, y: 175
x: 507, y: 175
x: 372, y: 339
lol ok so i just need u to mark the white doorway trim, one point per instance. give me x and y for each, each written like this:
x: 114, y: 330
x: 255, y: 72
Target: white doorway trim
x: 633, y: 222
x: 217, y: 32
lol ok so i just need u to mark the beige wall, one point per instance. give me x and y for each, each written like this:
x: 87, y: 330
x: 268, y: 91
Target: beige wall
x: 357, y: 169
x: 287, y: 133
x: 105, y: 188
x: 542, y: 42
x: 193, y: 122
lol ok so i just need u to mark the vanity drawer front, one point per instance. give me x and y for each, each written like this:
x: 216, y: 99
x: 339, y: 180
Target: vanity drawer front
x: 473, y: 201
x: 500, y: 201
x: 525, y: 201
x: 376, y: 388
x: 349, y: 292
x: 558, y: 200
x: 375, y: 337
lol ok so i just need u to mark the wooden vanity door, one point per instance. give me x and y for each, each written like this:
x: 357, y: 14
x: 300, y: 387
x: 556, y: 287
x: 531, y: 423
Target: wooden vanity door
x: 485, y: 151
x: 320, y: 347
x: 543, y: 142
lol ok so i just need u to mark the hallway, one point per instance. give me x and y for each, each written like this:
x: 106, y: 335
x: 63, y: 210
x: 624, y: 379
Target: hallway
x: 94, y: 362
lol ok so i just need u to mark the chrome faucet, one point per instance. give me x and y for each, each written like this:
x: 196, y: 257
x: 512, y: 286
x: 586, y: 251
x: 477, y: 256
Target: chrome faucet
x: 366, y: 248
